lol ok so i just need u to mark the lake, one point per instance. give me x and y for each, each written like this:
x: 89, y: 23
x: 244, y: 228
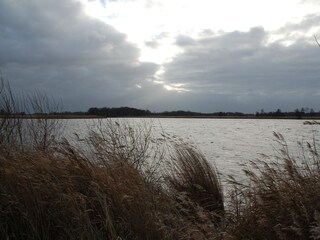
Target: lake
x: 224, y: 142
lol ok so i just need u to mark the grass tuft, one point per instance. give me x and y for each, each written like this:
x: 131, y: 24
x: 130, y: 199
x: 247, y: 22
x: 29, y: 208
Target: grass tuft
x: 195, y: 178
x: 281, y: 200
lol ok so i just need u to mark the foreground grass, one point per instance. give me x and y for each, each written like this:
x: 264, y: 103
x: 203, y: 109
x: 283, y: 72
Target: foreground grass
x: 112, y: 190
x: 116, y: 189
x: 281, y: 199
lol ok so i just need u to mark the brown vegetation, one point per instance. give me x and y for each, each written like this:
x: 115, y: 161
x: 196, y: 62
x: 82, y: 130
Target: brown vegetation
x: 61, y: 193
x: 103, y: 192
x: 121, y: 182
x: 280, y: 199
x: 14, y: 129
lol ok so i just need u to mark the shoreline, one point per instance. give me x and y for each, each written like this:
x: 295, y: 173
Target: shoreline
x: 154, y: 116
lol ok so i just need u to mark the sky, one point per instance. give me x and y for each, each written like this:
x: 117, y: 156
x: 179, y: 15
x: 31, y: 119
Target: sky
x: 164, y: 55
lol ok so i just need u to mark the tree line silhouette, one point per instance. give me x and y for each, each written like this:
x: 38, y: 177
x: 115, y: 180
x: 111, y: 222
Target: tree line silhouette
x: 134, y: 112
x: 303, y: 112
x: 118, y: 112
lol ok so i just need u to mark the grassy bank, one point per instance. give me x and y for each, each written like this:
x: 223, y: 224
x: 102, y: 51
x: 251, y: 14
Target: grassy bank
x: 119, y: 182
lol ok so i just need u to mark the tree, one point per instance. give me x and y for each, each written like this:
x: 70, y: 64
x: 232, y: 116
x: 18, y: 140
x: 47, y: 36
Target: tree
x: 312, y: 112
x: 278, y: 112
x: 298, y: 113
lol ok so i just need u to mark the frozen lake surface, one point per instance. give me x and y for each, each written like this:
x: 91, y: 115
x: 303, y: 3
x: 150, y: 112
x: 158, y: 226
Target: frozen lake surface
x: 224, y: 142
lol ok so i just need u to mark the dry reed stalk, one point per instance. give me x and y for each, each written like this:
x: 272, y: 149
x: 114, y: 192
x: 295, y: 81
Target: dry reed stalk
x: 282, y: 199
x: 196, y: 186
x: 64, y: 195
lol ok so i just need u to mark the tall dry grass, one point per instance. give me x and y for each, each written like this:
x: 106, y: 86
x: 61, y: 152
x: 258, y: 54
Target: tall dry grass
x: 107, y: 191
x: 69, y: 197
x: 192, y: 177
x: 68, y: 193
x: 39, y: 132
x: 281, y: 199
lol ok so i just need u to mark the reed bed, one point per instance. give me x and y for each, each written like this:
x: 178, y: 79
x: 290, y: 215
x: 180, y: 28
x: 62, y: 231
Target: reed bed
x: 107, y: 191
x: 281, y: 198
x: 120, y: 182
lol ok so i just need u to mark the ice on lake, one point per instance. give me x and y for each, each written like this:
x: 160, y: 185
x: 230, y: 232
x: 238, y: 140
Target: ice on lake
x: 228, y: 143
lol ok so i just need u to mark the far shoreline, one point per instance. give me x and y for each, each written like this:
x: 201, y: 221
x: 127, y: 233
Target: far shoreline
x: 57, y: 116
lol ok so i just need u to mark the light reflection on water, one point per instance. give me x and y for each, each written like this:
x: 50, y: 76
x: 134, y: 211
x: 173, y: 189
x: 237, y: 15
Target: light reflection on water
x: 225, y: 142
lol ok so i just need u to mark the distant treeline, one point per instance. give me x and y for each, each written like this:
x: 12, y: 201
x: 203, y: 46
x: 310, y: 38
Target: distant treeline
x: 134, y: 112
x: 298, y: 113
x: 118, y: 112
x: 181, y: 113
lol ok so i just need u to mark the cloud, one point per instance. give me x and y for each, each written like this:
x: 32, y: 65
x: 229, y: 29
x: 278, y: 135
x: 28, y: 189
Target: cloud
x: 152, y: 44
x: 55, y: 46
x: 241, y: 71
x: 183, y: 40
x: 308, y: 23
x: 156, y: 40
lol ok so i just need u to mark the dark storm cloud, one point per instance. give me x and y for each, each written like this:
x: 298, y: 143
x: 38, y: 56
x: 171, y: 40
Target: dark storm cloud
x: 241, y: 71
x: 54, y: 46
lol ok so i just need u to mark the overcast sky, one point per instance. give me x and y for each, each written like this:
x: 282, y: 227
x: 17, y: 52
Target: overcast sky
x: 198, y: 55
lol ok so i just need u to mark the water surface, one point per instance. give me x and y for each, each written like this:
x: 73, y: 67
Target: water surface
x: 225, y: 142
